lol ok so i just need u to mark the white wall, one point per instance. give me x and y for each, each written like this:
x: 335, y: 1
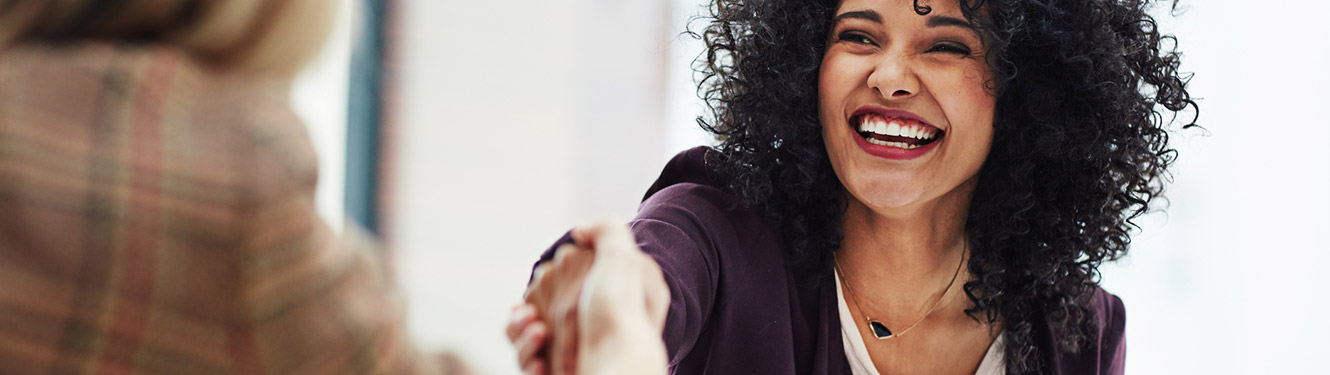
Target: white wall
x: 521, y: 118
x: 1228, y: 281
x: 518, y: 119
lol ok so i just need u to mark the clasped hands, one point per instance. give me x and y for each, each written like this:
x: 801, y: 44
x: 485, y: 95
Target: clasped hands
x: 597, y: 308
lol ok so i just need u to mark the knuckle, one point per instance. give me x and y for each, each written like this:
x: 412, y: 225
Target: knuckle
x: 568, y: 314
x: 515, y: 325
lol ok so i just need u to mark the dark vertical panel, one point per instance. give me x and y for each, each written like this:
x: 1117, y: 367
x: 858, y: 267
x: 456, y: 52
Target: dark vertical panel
x: 364, y: 115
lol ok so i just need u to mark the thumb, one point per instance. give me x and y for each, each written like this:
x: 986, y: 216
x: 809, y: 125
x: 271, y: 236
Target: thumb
x: 605, y: 236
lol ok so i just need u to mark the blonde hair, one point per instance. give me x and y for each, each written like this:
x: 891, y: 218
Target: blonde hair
x: 256, y: 36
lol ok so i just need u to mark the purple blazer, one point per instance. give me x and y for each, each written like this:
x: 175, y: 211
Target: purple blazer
x: 738, y: 306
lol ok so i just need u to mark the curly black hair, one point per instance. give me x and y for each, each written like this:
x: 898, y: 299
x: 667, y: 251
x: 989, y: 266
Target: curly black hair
x: 1080, y: 145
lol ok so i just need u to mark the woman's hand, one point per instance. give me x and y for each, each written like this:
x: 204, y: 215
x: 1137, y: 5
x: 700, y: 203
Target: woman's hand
x: 623, y: 307
x: 545, y: 328
x: 529, y: 335
x: 598, y: 308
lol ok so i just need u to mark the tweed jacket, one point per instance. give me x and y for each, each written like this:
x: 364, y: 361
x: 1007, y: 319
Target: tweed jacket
x: 157, y: 217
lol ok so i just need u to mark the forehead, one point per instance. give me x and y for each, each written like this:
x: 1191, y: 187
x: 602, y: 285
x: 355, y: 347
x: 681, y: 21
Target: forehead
x: 908, y: 7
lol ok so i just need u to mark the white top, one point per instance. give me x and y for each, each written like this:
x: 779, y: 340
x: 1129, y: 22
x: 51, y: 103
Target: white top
x: 862, y: 364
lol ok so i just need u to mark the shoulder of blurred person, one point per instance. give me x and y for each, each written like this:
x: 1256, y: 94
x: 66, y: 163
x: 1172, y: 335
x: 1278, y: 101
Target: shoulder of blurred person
x: 247, y: 37
x: 159, y: 216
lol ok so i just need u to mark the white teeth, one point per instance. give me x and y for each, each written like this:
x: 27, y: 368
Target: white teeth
x: 893, y: 129
x: 896, y: 128
x: 902, y: 131
x: 903, y: 145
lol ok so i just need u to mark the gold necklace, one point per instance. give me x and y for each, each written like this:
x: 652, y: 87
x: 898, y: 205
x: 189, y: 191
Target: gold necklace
x: 880, y: 330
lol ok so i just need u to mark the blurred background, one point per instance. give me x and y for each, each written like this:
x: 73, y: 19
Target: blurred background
x: 471, y: 135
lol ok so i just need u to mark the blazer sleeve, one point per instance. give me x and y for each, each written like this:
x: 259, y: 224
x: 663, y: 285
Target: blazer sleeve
x: 1112, y: 338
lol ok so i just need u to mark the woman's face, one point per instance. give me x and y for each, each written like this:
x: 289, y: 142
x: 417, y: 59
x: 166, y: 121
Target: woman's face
x: 905, y: 114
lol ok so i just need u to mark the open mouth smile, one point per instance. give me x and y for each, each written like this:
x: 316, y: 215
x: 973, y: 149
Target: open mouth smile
x: 894, y: 134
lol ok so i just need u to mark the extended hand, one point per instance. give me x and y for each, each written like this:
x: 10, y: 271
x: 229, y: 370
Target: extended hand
x: 605, y: 302
x: 623, y: 306
x: 545, y: 328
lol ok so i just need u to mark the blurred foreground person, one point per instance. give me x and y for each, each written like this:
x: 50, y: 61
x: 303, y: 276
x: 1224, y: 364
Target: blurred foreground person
x: 157, y: 209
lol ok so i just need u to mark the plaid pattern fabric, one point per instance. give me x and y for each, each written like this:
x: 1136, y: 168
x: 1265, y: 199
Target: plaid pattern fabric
x: 159, y: 218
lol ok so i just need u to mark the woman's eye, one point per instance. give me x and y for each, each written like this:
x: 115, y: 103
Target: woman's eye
x: 951, y: 48
x: 854, y: 37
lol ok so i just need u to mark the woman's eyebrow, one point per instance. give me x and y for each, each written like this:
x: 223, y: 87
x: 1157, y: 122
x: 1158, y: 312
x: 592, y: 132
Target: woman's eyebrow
x: 940, y: 21
x: 946, y: 21
x: 933, y: 21
x: 860, y: 14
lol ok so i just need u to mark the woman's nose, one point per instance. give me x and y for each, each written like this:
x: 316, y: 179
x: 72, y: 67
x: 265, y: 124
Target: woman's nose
x: 893, y: 78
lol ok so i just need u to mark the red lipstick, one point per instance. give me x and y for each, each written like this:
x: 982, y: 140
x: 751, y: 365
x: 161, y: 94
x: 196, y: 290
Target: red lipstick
x: 886, y: 151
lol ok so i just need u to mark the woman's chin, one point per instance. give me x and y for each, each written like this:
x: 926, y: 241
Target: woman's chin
x: 904, y: 193
x: 887, y: 199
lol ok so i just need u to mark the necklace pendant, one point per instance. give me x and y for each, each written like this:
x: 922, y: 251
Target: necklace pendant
x: 880, y: 330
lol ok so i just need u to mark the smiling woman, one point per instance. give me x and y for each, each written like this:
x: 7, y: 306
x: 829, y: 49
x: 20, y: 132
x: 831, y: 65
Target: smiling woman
x: 958, y: 169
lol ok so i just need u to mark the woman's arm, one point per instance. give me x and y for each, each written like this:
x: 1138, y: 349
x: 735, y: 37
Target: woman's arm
x: 680, y: 228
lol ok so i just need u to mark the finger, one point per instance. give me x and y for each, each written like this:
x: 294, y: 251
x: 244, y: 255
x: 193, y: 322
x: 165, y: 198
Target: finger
x: 577, y: 260
x: 588, y: 235
x: 533, y: 341
x: 566, y: 341
x: 562, y: 330
x: 570, y: 360
x: 535, y: 368
x: 539, y: 273
x: 614, y: 237
x: 523, y: 315
x: 537, y: 279
x: 584, y: 236
x: 563, y: 252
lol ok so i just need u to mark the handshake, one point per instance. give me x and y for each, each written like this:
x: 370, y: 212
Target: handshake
x: 597, y: 308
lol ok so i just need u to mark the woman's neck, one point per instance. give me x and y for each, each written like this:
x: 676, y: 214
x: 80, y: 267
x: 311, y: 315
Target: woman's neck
x: 902, y: 257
